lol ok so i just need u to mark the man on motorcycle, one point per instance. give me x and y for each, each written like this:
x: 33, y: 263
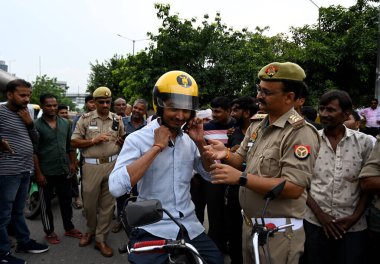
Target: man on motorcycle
x: 160, y: 159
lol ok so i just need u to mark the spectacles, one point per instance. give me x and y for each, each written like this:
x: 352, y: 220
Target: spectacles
x: 103, y: 102
x: 265, y: 92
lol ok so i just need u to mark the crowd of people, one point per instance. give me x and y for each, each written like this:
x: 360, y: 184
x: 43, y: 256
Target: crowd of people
x: 225, y: 158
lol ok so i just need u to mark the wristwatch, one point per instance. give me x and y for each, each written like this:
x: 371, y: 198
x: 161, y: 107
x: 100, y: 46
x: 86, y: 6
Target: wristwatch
x: 243, y: 179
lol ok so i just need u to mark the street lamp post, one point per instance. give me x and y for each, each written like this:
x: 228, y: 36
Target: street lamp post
x: 319, y: 13
x: 133, y: 42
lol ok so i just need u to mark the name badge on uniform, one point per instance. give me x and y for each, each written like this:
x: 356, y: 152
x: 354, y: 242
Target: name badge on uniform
x: 93, y: 125
x: 252, y: 140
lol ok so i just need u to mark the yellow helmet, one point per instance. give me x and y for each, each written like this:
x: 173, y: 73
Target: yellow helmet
x: 175, y: 89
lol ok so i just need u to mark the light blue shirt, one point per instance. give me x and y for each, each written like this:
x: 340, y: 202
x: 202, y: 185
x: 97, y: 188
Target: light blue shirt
x: 167, y: 179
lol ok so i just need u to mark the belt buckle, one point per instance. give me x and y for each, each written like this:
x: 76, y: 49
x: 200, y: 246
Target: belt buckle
x: 103, y: 160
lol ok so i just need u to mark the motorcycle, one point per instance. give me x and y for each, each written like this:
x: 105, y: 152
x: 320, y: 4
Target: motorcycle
x: 142, y: 213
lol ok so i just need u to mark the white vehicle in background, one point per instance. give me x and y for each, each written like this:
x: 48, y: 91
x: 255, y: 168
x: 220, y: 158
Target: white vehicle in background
x: 34, y: 110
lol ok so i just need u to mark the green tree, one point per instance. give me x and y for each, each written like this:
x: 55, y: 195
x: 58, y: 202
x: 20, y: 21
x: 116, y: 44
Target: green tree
x: 222, y: 60
x: 43, y: 84
x: 341, y: 54
x: 106, y: 74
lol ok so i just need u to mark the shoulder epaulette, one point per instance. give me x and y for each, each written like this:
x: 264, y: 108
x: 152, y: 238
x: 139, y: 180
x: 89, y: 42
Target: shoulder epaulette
x: 86, y: 115
x: 116, y: 116
x: 296, y: 121
x: 258, y: 116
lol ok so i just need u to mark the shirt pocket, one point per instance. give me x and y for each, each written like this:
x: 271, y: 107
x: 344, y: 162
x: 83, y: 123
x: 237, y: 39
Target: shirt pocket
x: 351, y: 169
x: 93, y: 132
x: 269, y: 162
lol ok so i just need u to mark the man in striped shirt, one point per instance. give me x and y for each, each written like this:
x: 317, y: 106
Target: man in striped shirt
x: 17, y: 134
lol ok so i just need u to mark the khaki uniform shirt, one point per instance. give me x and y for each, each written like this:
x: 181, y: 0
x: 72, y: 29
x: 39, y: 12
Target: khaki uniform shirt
x: 335, y: 184
x: 91, y: 125
x: 269, y: 151
x: 372, y: 168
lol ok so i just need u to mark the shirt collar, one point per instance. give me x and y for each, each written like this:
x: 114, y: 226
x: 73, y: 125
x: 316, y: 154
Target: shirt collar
x: 347, y: 133
x: 96, y: 115
x: 281, y: 121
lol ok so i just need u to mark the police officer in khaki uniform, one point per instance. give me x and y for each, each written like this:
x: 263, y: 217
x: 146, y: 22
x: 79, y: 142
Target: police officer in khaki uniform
x: 99, y: 134
x: 280, y: 147
x: 370, y: 182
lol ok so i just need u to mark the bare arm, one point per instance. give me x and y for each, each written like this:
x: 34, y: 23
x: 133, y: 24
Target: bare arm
x: 217, y: 151
x: 370, y: 184
x: 85, y: 143
x: 327, y: 221
x: 40, y: 178
x: 347, y: 222
x: 222, y: 173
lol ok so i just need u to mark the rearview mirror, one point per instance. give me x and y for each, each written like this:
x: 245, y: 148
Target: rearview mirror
x: 144, y: 212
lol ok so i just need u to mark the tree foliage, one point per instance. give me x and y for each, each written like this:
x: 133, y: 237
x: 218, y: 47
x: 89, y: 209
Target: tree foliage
x: 341, y: 53
x: 46, y: 85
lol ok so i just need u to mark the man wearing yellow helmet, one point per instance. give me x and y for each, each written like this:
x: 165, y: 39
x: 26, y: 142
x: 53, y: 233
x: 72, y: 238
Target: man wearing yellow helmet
x: 160, y: 159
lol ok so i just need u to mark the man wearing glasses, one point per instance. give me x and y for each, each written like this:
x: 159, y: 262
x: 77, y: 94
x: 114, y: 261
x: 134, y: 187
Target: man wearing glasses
x: 280, y: 147
x: 99, y: 134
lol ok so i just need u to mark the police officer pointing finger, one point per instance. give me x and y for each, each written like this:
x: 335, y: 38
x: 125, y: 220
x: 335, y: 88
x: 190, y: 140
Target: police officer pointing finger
x: 283, y: 146
x: 99, y: 133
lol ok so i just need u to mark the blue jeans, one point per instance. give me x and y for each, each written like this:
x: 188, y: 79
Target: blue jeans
x: 205, y: 246
x: 13, y: 194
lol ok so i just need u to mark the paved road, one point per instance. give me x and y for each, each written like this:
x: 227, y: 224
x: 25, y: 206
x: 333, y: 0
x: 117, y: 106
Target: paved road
x: 68, y: 250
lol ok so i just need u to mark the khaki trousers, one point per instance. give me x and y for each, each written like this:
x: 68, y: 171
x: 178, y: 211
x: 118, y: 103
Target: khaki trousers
x: 285, y: 247
x: 98, y: 203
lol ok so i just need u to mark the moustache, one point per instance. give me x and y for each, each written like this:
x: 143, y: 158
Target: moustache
x: 262, y: 101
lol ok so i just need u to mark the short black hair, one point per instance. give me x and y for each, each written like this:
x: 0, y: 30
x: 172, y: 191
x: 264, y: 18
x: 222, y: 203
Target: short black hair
x: 62, y: 106
x: 12, y: 85
x: 343, y: 98
x: 43, y: 97
x: 356, y: 115
x: 222, y: 102
x: 88, y: 98
x: 310, y: 112
x: 299, y: 89
x: 247, y: 103
x: 375, y: 99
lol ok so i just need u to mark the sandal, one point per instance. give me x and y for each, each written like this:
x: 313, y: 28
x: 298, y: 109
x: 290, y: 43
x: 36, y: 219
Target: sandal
x: 74, y: 233
x: 52, y: 238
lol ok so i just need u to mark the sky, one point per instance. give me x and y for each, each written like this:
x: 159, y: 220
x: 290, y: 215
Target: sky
x: 60, y: 38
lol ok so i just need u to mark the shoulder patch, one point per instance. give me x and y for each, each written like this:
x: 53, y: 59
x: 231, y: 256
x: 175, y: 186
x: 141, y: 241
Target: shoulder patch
x: 296, y: 121
x: 258, y: 116
x: 86, y: 115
